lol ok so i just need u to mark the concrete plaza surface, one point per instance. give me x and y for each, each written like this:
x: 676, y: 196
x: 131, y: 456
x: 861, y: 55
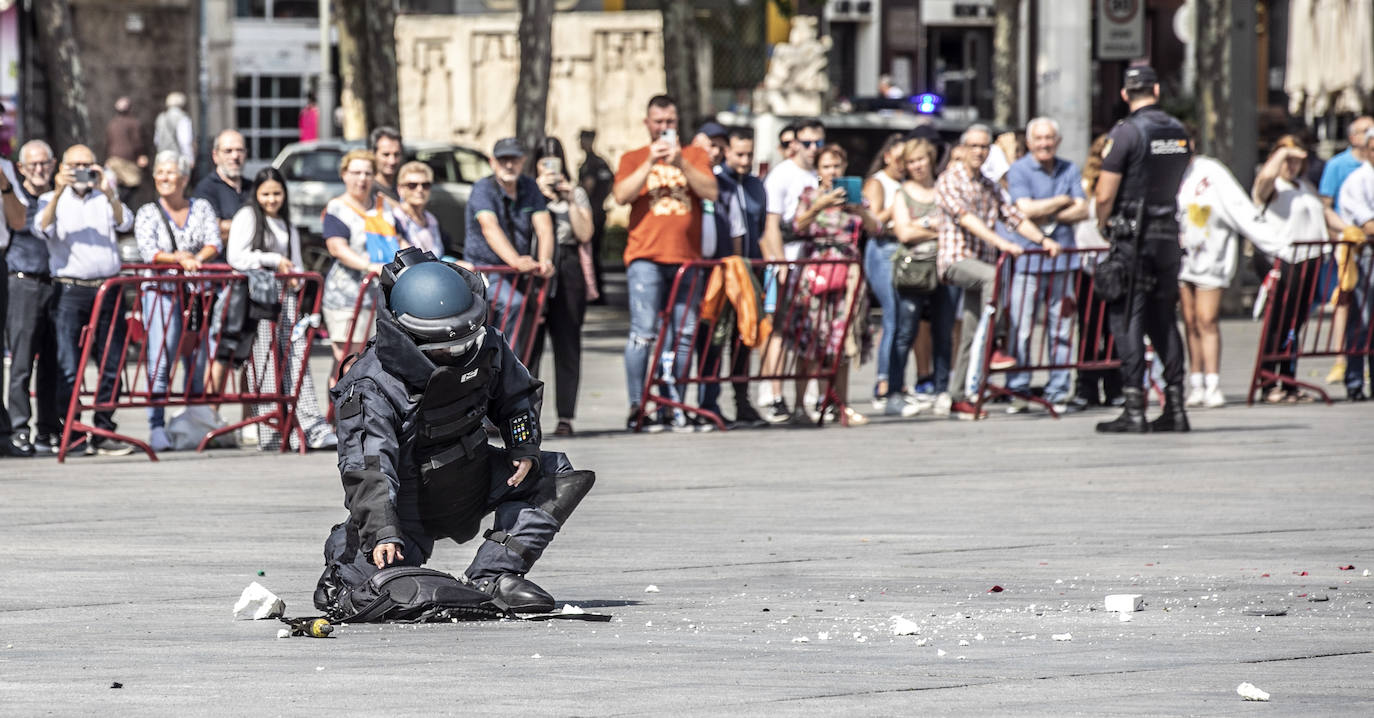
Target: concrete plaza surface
x: 781, y: 557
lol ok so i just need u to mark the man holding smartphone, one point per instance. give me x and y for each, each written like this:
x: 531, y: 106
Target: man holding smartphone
x: 80, y: 219
x: 664, y: 183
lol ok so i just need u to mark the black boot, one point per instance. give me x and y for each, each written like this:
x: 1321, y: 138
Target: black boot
x: 1174, y: 417
x: 1132, y: 419
x: 518, y: 593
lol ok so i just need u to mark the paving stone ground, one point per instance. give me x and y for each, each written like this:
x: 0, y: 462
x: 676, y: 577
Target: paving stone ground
x: 781, y: 557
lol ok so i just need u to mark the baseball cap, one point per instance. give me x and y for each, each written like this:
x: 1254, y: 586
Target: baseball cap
x: 508, y: 147
x: 712, y: 130
x: 1139, y: 77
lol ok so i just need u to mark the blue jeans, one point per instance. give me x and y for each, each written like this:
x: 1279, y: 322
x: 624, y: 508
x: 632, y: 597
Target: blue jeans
x: 1027, y: 291
x: 511, y: 313
x: 910, y: 307
x: 649, y: 284
x: 162, y: 319
x: 878, y: 271
x: 75, y: 305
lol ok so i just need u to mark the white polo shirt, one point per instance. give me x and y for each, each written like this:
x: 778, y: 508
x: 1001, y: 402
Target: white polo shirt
x: 83, y: 240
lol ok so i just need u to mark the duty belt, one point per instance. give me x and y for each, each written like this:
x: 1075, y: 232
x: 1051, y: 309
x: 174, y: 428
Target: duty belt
x: 44, y: 278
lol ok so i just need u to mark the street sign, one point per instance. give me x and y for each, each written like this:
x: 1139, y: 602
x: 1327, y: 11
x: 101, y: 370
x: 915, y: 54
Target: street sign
x: 1120, y: 29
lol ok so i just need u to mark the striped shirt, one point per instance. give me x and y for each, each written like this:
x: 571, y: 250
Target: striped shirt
x: 959, y: 192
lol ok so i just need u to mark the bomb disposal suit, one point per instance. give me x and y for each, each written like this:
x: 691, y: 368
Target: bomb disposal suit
x: 413, y: 453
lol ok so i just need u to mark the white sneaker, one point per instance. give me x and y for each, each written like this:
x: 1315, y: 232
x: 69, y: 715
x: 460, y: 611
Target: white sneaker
x: 943, y: 404
x: 898, y: 406
x: 1196, y: 396
x: 1214, y: 399
x: 158, y: 440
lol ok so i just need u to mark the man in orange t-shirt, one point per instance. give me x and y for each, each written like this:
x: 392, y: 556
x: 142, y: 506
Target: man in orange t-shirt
x: 664, y: 184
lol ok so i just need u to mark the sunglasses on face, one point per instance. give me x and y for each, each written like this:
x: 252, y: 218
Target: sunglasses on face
x: 811, y: 143
x: 418, y: 185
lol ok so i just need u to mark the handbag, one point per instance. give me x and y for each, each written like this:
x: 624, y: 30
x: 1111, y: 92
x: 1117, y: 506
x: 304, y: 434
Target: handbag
x: 828, y: 277
x: 914, y: 269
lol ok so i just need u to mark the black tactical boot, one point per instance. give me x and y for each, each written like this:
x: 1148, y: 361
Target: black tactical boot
x: 1174, y: 417
x: 1132, y: 419
x: 518, y: 593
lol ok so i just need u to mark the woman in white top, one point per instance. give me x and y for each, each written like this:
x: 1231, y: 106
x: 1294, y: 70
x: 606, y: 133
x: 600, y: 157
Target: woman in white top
x: 347, y: 235
x: 261, y: 237
x: 879, y: 190
x: 1214, y: 212
x: 176, y: 232
x: 1291, y: 205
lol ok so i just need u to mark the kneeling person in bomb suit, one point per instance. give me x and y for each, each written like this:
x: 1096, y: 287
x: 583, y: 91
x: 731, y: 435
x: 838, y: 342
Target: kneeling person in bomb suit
x: 413, y: 454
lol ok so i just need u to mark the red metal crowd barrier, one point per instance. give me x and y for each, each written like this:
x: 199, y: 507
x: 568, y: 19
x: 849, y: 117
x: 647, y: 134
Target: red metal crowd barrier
x: 1318, y: 305
x: 807, y: 307
x: 136, y: 351
x: 1075, y: 338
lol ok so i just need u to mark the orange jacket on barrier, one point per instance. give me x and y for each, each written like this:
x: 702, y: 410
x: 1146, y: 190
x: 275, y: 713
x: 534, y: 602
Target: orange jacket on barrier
x: 733, y: 280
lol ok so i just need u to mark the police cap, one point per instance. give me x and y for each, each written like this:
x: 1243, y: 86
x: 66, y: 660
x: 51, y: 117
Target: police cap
x: 1139, y: 77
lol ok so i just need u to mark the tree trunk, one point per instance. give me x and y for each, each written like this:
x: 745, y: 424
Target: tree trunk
x: 680, y: 62
x: 1213, y: 70
x: 68, y: 122
x: 1005, y: 68
x: 536, y: 63
x: 367, y: 66
x: 384, y: 104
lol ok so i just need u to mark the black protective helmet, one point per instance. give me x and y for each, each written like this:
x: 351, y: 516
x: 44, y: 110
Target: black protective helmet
x: 440, y: 305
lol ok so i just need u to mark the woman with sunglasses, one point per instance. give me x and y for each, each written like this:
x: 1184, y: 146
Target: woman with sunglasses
x: 416, y: 224
x: 574, y: 279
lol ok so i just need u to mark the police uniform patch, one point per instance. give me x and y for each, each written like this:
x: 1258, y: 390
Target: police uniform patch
x: 521, y: 429
x: 1107, y: 148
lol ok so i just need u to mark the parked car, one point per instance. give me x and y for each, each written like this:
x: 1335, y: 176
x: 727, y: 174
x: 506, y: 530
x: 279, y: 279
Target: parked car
x: 312, y: 177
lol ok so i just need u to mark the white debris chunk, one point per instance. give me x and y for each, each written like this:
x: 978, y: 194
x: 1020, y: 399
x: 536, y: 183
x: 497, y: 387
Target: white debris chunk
x: 978, y: 637
x: 823, y: 636
x: 1123, y: 617
x: 922, y: 641
x: 571, y: 610
x: 940, y: 652
x: 536, y: 656
x: 801, y: 639
x: 651, y: 588
x: 1124, y: 602
x: 258, y: 603
x: 963, y: 642
x: 1250, y: 693
x: 1366, y: 573
x: 283, y: 633
x: 904, y: 626
x: 1062, y: 636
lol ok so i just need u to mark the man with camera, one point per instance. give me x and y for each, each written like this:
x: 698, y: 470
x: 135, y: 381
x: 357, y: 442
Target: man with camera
x: 1143, y: 164
x: 80, y: 219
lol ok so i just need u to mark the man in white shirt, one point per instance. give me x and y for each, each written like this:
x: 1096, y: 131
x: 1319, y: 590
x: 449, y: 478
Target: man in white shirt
x: 80, y: 219
x: 783, y: 188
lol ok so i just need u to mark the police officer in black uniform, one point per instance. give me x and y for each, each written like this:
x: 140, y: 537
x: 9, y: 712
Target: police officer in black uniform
x: 413, y: 452
x: 1146, y: 156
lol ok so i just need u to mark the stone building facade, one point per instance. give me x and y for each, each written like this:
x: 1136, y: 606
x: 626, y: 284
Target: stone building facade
x: 457, y: 78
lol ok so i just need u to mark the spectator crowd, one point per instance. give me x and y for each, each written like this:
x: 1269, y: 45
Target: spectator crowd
x: 921, y: 236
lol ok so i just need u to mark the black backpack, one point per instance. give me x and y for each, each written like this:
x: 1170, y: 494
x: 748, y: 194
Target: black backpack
x: 407, y: 594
